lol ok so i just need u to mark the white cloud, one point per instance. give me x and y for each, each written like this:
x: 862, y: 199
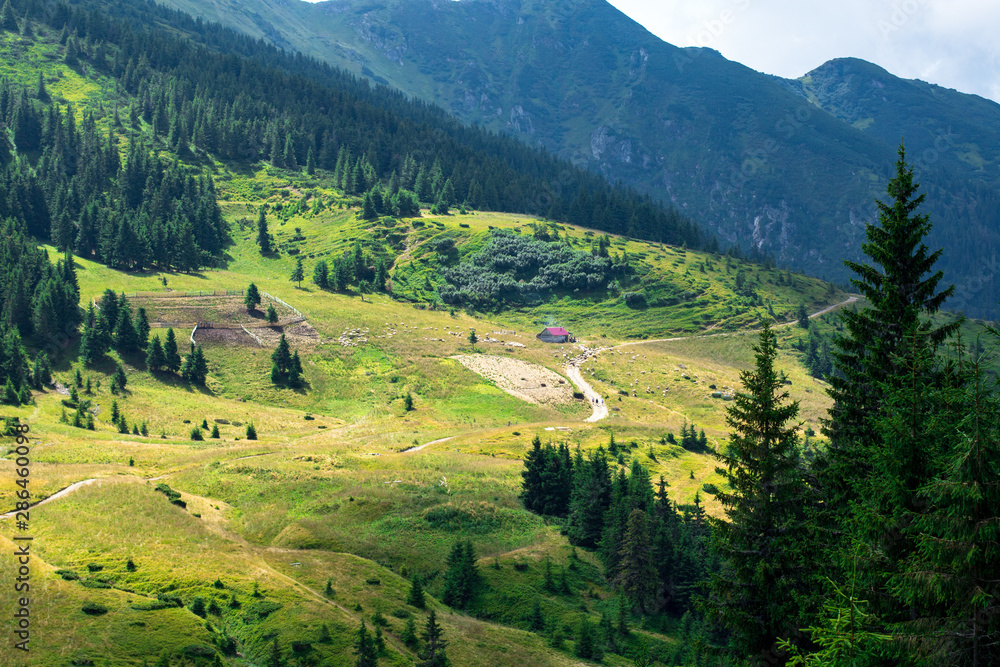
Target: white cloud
x: 948, y: 42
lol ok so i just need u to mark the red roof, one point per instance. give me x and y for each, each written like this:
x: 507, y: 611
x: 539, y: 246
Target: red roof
x: 557, y: 331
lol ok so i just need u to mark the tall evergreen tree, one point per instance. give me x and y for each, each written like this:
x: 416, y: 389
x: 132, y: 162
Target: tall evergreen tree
x: 263, y: 236
x: 637, y: 576
x: 281, y: 361
x: 321, y: 274
x: 125, y: 336
x: 155, y: 359
x: 759, y: 594
x: 462, y: 578
x: 251, y: 298
x: 871, y: 475
x: 171, y: 357
x: 590, y: 498
x: 901, y: 289
x: 119, y: 379
x: 8, y: 21
x: 416, y: 597
x: 364, y: 648
x: 295, y: 377
x: 298, y: 275
x: 142, y: 328
x: 108, y: 313
x: 93, y: 344
x: 433, y: 653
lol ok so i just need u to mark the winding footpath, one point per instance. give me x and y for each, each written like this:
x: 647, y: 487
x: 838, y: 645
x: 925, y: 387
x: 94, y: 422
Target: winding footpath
x: 600, y: 410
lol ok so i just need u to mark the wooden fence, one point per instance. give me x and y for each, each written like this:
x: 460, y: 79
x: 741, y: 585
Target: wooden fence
x: 179, y: 295
x: 226, y: 325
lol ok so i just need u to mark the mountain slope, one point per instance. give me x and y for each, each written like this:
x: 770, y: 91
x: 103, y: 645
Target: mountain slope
x: 790, y: 168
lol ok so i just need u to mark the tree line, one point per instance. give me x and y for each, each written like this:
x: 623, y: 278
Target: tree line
x: 653, y: 550
x: 68, y: 186
x: 235, y: 98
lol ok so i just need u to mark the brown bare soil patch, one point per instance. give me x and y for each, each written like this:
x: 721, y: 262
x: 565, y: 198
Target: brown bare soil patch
x: 527, y: 381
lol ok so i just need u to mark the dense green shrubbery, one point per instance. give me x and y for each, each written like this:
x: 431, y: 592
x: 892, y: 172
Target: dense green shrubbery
x: 94, y: 609
x: 520, y: 269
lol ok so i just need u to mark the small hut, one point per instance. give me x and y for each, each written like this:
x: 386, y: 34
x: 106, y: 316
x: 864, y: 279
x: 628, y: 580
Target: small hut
x: 553, y: 335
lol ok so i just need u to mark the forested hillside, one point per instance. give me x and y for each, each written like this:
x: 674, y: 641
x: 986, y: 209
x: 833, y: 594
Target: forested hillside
x: 789, y: 168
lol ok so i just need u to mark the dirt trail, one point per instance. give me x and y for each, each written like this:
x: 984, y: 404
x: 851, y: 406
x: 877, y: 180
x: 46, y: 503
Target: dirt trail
x: 601, y: 410
x: 55, y: 496
x: 76, y: 485
x: 417, y: 448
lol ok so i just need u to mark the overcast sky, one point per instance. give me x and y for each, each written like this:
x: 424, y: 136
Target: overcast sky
x: 953, y: 43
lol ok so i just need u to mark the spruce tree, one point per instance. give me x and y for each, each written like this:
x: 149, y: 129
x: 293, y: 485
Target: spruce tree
x: 289, y: 155
x: 637, y: 577
x: 8, y: 21
x: 142, y: 328
x: 885, y: 367
x: 298, y: 275
x: 537, y: 621
x: 41, y: 372
x: 272, y: 314
x: 281, y: 360
x: 368, y: 211
x: 171, y: 358
x: 803, y: 316
x: 416, y: 597
x: 251, y: 298
x: 364, y: 648
x: 758, y: 594
x: 433, y: 653
x: 93, y: 343
x: 295, y: 377
x: 251, y: 432
x: 590, y: 499
x: 321, y: 274
x: 409, y: 635
x: 119, y: 378
x: 187, y: 369
x: 311, y: 161
x: 199, y: 367
x: 155, y: 359
x: 11, y: 395
x: 462, y: 578
x: 263, y: 237
x: 108, y: 316
x: 125, y: 336
x: 902, y: 291
x: 586, y: 644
